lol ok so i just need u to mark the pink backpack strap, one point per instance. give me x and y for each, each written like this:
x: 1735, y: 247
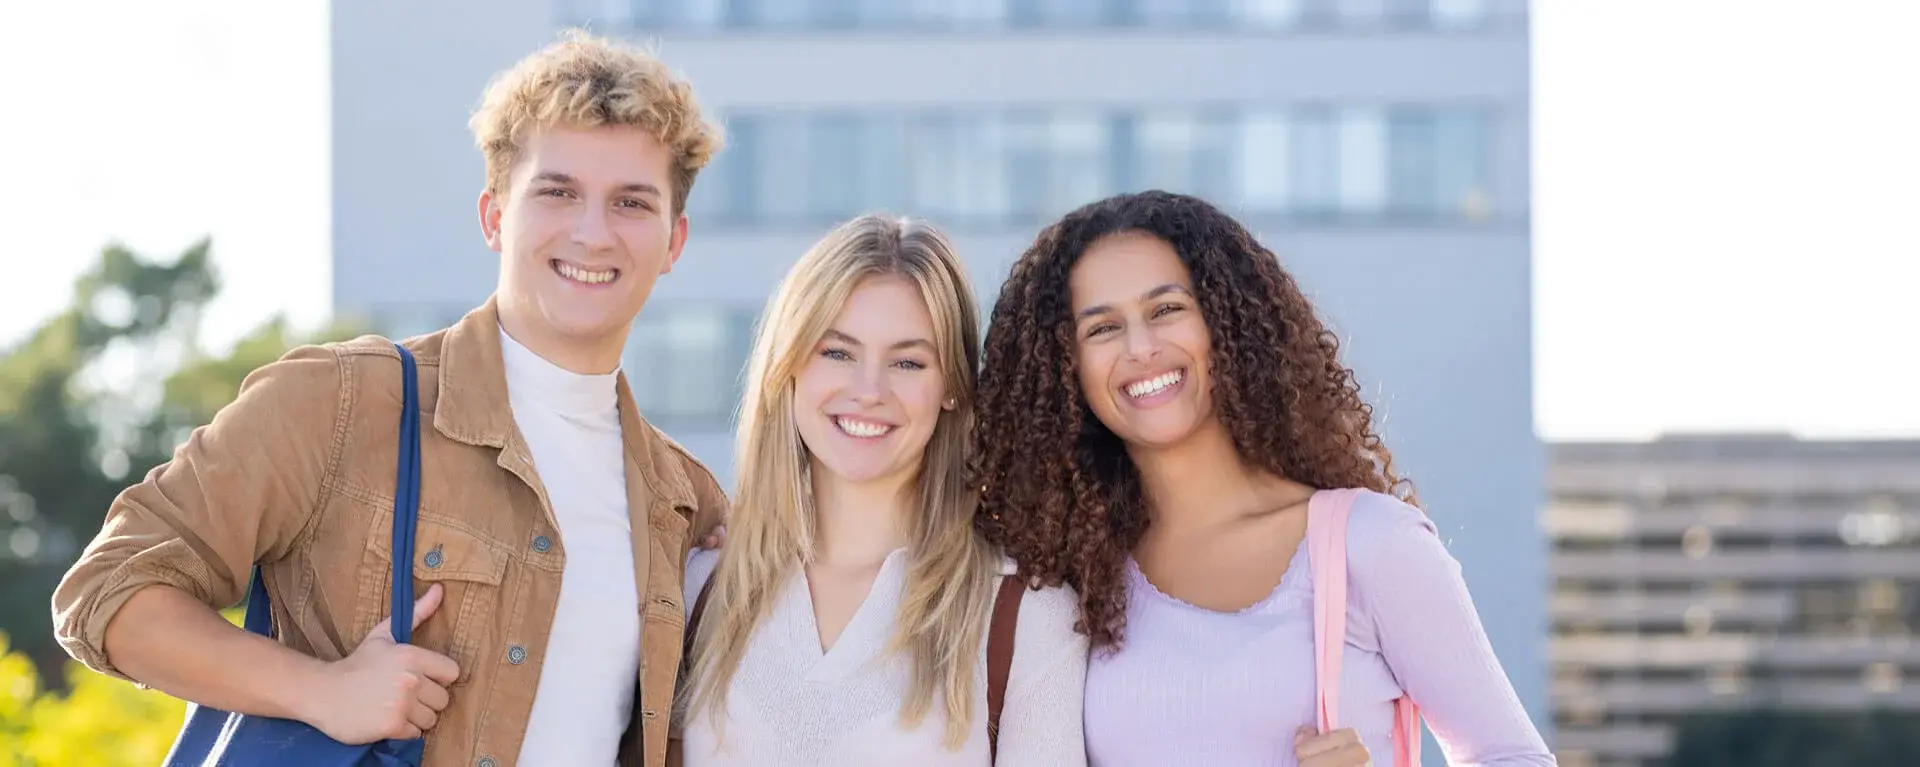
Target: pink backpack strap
x: 1327, y: 551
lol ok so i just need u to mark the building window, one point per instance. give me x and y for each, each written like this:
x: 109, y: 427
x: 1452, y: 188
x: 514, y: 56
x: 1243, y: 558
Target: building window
x: 1190, y: 153
x: 991, y: 168
x: 605, y: 14
x: 653, y: 16
x: 958, y: 164
x: 834, y: 149
x: 666, y: 14
x: 1461, y: 154
x: 1412, y: 162
x: 1063, y: 14
x: 1267, y: 14
x: 684, y: 363
x: 1456, y: 14
x: 724, y: 190
x: 1058, y: 162
x: 880, y: 141
x: 1883, y: 677
x: 1363, y: 161
x: 781, y: 180
x: 1262, y: 170
x: 1360, y: 13
x: 403, y: 322
x: 1165, y: 14
x: 1314, y: 145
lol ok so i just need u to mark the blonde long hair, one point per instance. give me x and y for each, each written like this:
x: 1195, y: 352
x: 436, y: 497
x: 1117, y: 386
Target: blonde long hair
x: 771, y: 533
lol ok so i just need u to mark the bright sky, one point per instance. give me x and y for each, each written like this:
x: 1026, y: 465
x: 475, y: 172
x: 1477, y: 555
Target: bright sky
x: 157, y: 124
x: 1721, y: 191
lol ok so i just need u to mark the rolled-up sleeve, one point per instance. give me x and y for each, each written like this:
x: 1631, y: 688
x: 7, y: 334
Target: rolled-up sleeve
x: 241, y: 490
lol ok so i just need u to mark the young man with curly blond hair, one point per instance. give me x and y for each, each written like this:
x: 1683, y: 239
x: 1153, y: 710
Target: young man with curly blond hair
x: 554, y: 521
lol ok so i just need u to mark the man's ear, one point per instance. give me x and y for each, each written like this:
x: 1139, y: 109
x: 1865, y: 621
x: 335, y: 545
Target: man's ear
x: 675, y: 242
x: 490, y: 220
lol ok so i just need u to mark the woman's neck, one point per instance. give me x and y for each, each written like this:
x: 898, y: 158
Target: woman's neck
x: 857, y: 524
x: 1204, y: 481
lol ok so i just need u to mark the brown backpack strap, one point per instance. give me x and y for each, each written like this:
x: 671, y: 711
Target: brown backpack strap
x: 693, y: 620
x: 1006, y: 612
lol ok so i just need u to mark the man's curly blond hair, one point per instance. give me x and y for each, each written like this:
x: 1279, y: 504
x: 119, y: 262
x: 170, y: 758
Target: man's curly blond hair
x: 583, y: 81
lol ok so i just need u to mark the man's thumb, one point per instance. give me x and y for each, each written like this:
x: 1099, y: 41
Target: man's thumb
x: 424, y: 607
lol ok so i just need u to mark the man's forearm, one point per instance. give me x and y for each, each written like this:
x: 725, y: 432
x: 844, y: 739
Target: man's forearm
x: 174, y: 643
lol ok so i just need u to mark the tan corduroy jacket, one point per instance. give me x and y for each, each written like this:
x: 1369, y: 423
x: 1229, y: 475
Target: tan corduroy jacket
x: 298, y: 473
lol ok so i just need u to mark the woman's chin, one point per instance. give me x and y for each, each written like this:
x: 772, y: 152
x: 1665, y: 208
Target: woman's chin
x: 1162, y: 430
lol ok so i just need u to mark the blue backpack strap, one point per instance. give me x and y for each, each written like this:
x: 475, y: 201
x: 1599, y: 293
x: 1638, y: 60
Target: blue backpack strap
x: 406, y: 513
x: 406, y: 499
x: 213, y: 737
x: 259, y: 610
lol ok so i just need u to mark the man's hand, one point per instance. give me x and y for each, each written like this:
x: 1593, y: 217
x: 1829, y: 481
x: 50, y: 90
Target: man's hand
x: 715, y: 539
x: 385, y: 690
x: 1340, y: 748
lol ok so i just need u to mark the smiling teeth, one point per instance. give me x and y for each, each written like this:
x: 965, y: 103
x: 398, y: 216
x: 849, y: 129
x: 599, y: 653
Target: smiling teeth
x: 860, y: 428
x: 1153, y: 385
x: 578, y: 274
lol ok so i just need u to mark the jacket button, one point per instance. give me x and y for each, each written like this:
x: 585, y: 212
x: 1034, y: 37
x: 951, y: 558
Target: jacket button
x: 434, y: 559
x: 542, y: 543
x: 485, y: 761
x: 516, y: 655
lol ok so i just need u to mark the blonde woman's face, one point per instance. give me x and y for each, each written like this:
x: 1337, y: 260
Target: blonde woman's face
x: 868, y: 397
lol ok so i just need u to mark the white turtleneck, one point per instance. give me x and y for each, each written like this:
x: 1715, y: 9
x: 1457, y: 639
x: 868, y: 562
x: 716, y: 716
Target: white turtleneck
x: 572, y: 426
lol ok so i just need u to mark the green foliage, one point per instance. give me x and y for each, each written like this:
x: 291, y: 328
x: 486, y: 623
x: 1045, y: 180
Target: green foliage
x: 91, y: 400
x: 100, y: 721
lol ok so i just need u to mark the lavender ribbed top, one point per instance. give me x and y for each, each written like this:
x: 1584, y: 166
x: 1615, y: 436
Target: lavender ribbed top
x: 1192, y: 686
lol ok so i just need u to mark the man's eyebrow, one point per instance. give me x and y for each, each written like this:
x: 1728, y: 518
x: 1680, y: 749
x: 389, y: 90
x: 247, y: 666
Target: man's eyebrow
x: 556, y: 177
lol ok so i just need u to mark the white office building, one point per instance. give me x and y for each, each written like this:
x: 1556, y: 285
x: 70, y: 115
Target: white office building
x: 1380, y: 146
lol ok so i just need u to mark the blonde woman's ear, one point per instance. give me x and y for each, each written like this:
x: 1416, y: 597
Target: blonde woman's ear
x: 950, y: 404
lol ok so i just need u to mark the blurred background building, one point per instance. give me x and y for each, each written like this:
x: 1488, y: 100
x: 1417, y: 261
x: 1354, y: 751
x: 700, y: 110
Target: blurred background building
x: 1719, y: 573
x: 1382, y: 147
x: 1447, y: 178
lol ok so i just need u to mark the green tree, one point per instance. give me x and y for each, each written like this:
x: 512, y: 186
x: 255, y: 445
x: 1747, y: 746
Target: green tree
x: 93, y: 399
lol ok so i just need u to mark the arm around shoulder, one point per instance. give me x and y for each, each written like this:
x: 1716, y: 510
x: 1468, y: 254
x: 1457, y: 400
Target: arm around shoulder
x: 711, y: 501
x: 1041, y: 722
x: 239, y: 491
x: 714, y: 504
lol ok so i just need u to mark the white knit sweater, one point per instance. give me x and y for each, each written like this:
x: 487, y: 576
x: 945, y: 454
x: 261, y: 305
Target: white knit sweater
x: 791, y: 704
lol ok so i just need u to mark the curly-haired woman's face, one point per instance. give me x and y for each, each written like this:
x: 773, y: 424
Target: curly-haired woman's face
x: 867, y: 400
x: 1141, y: 343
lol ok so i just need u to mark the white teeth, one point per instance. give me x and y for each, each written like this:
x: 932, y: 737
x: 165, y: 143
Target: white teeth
x: 861, y: 428
x: 577, y: 274
x: 1153, y: 385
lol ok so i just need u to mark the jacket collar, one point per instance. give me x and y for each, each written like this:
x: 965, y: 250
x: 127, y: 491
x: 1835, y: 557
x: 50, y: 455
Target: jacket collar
x: 472, y: 406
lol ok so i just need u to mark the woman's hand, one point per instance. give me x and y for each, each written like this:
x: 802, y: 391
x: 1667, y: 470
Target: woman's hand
x: 1340, y: 748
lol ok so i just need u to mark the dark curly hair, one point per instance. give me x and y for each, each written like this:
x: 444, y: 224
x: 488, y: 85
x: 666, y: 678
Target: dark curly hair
x: 1058, y: 491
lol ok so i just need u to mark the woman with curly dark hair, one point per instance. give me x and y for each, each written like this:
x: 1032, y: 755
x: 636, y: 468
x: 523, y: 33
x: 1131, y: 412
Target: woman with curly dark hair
x: 1160, y: 411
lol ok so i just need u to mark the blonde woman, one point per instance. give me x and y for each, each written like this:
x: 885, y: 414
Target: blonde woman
x: 846, y: 621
